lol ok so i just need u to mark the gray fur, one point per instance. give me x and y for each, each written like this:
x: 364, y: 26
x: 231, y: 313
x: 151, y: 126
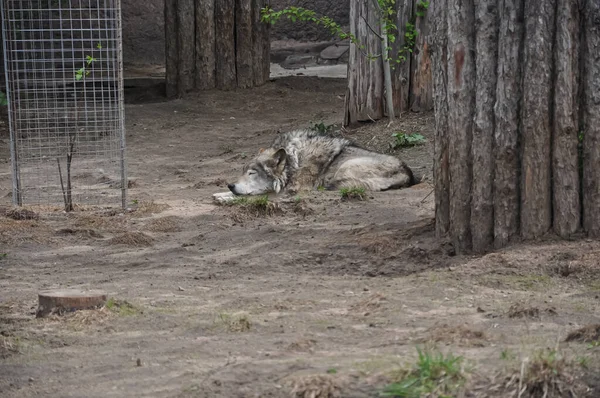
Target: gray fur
x: 304, y: 159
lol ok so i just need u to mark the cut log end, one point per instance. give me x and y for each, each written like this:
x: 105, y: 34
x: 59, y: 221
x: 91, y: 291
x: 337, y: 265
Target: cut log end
x: 61, y: 301
x: 223, y: 197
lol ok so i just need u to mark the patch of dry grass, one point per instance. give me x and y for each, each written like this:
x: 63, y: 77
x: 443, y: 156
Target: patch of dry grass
x: 547, y: 374
x: 461, y: 335
x: 164, y: 224
x: 369, y: 304
x: 586, y: 334
x: 81, y: 319
x: 149, y: 208
x: 13, y: 232
x: 101, y: 222
x: 9, y: 346
x: 22, y: 214
x: 233, y: 322
x: 314, y: 386
x: 302, y: 345
x: 136, y: 239
x: 521, y: 311
x: 249, y: 207
x: 378, y: 244
x: 86, y: 233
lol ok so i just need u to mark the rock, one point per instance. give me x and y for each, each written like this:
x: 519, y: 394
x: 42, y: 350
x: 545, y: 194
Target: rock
x: 297, y: 61
x: 334, y: 52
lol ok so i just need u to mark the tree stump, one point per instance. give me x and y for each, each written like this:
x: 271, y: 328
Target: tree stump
x: 59, y: 301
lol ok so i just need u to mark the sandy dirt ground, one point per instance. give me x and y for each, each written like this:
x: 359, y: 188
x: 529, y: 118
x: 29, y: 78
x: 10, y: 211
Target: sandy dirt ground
x: 324, y: 296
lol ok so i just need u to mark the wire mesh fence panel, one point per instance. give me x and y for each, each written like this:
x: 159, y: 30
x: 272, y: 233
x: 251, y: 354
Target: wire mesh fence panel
x: 64, y: 80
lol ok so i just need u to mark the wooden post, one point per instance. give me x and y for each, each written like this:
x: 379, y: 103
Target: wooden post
x: 225, y: 44
x: 402, y: 72
x: 421, y: 81
x: 186, y: 46
x: 215, y: 44
x: 506, y: 117
x: 565, y: 159
x: 461, y: 109
x: 243, y: 43
x: 441, y: 167
x: 364, y: 99
x: 591, y: 118
x: 482, y: 205
x: 205, y: 45
x: 536, y: 134
x: 538, y: 68
x: 171, y: 61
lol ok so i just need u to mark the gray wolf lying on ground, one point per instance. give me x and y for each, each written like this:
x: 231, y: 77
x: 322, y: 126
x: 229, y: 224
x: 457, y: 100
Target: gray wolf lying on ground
x: 303, y: 160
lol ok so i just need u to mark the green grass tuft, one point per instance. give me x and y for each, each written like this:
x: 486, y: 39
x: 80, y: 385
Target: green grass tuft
x: 122, y: 308
x: 403, y: 140
x: 353, y: 194
x: 434, y: 375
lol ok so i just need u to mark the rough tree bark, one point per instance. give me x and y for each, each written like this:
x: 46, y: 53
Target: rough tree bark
x: 565, y: 167
x: 507, y: 161
x: 215, y: 43
x: 421, y: 82
x: 364, y: 98
x: 482, y: 205
x: 506, y: 116
x: 171, y: 47
x: 591, y: 117
x: 205, y: 44
x: 461, y: 108
x: 186, y: 46
x: 536, y: 205
x: 439, y: 57
x: 225, y: 44
x: 412, y: 81
x: 243, y: 43
x: 402, y: 75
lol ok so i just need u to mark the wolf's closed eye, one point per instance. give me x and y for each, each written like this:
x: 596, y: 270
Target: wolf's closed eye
x: 250, y: 172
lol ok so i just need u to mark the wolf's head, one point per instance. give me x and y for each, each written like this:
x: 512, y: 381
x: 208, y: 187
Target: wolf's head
x: 265, y: 174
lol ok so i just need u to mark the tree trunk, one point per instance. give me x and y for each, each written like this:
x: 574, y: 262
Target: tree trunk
x: 507, y: 160
x: 266, y: 47
x: 591, y: 117
x: 171, y: 59
x: 243, y: 43
x: 212, y: 43
x: 186, y: 46
x: 461, y: 108
x: 364, y: 99
x: 402, y: 72
x: 536, y: 206
x: 439, y: 58
x: 482, y: 205
x: 387, y: 74
x: 411, y: 72
x: 421, y: 82
x: 205, y: 44
x: 258, y: 34
x: 565, y: 167
x: 506, y: 116
x: 225, y: 44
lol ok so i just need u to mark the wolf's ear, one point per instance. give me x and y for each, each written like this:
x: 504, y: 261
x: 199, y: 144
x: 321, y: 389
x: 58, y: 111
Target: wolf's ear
x: 280, y: 157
